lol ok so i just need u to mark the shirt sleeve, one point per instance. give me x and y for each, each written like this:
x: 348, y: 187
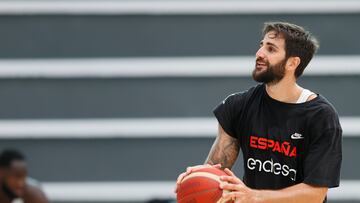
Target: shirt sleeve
x: 228, y: 111
x: 323, y: 161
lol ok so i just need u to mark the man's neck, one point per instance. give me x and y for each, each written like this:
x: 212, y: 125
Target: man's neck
x: 286, y: 90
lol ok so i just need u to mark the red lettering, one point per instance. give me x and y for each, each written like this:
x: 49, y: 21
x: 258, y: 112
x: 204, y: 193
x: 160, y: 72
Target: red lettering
x: 277, y: 147
x: 253, y: 140
x: 262, y: 143
x: 285, y: 148
x: 293, y: 152
x: 271, y: 143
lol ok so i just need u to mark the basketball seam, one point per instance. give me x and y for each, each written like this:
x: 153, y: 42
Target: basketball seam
x: 203, y: 174
x: 206, y: 175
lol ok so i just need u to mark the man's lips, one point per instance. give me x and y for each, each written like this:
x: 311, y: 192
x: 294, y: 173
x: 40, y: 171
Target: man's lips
x: 260, y: 65
x: 19, y: 191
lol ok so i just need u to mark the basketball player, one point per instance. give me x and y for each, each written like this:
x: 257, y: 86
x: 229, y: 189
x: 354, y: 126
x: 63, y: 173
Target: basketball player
x: 290, y: 137
x: 15, y: 186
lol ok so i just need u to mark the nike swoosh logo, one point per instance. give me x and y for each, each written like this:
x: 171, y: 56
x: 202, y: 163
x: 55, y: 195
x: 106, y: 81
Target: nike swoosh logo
x: 296, y: 136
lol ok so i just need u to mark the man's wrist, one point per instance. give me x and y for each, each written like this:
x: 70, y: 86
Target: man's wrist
x: 258, y: 196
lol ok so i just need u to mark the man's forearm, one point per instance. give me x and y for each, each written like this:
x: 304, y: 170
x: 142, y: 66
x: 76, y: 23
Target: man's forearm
x: 300, y: 193
x: 224, y: 151
x: 225, y: 155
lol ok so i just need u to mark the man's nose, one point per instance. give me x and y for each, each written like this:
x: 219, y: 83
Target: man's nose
x: 20, y: 183
x: 260, y: 53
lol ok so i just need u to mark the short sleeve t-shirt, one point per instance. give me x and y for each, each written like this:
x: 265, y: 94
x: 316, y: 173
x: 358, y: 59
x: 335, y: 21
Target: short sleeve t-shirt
x: 283, y: 144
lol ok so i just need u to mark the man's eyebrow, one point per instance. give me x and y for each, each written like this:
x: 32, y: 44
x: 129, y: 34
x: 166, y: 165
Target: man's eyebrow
x: 269, y: 44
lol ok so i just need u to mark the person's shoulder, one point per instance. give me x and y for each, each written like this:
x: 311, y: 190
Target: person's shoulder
x: 325, y: 106
x: 324, y: 114
x: 240, y: 96
x: 33, y: 193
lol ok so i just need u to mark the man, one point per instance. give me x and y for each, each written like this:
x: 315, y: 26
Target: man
x: 15, y: 186
x: 290, y: 137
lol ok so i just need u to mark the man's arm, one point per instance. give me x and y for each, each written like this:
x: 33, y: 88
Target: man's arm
x: 294, y: 194
x: 34, y: 195
x: 224, y: 151
x: 223, y: 154
x: 299, y: 193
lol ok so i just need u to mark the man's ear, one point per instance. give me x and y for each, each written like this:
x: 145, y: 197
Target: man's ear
x: 292, y: 63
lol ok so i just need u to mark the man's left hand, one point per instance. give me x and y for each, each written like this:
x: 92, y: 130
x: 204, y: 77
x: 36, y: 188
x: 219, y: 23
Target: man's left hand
x: 238, y: 191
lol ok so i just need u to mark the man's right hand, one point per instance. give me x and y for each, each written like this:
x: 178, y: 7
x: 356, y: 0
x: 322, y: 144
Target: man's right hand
x: 189, y: 170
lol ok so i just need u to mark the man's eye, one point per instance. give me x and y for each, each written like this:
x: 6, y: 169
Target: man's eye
x: 270, y: 49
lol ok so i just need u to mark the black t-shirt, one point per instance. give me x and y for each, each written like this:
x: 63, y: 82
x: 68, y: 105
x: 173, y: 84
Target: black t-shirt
x: 283, y: 144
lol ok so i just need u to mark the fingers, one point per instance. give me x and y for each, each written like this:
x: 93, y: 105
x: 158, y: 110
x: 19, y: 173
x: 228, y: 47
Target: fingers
x: 233, y: 195
x: 183, y: 175
x: 229, y: 172
x: 179, y: 179
x: 232, y: 187
x: 241, y: 195
x: 217, y: 165
x: 236, y: 191
x: 189, y: 170
x: 233, y: 190
x: 231, y: 179
x: 176, y: 188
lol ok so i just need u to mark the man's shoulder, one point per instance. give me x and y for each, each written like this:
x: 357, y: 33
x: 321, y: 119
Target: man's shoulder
x: 239, y: 96
x: 34, y: 193
x: 323, y: 114
x: 324, y: 105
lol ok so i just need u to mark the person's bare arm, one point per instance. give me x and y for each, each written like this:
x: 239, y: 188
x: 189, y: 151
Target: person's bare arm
x: 299, y: 193
x: 295, y: 194
x: 224, y: 151
x: 223, y: 154
x: 34, y: 195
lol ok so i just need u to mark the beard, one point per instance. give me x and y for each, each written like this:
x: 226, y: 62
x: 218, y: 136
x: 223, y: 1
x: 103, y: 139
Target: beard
x: 272, y: 74
x: 8, y: 192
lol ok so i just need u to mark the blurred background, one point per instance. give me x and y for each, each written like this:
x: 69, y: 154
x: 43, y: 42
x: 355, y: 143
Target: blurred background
x: 111, y: 100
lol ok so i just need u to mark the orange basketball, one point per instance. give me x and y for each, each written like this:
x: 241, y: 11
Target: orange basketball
x: 202, y: 186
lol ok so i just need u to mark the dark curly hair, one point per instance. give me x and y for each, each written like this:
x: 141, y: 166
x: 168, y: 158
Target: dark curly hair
x: 298, y: 42
x: 8, y: 156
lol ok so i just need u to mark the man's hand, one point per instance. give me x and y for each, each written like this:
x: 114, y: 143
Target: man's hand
x: 297, y: 193
x: 190, y: 169
x: 238, y: 190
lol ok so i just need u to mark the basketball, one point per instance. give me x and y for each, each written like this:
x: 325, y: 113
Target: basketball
x: 202, y: 186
